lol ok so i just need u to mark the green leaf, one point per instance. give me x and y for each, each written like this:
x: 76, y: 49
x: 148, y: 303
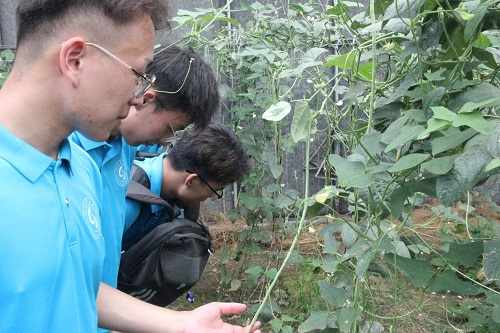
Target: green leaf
x: 440, y: 165
x: 301, y: 121
x: 329, y: 265
x: 474, y: 120
x: 447, y: 142
x: 316, y: 321
x: 227, y: 19
x: 478, y: 93
x: 440, y: 112
x: 433, y: 98
x: 419, y: 271
x: 433, y: 125
x: 366, y: 70
x: 448, y: 280
x: 302, y: 8
x: 350, y: 173
x: 464, y: 254
x: 495, y: 163
x: 400, y: 9
x: 235, y: 285
x: 346, y: 317
x: 271, y: 273
x: 283, y: 201
x: 471, y: 25
x: 276, y: 325
x: 337, y: 297
x: 276, y: 170
x: 343, y: 61
x: 277, y: 111
x: 481, y: 42
x: 468, y: 170
x: 408, y: 133
x: 407, y: 162
x: 363, y: 263
x: 349, y: 237
x: 491, y: 259
x: 331, y: 244
x: 471, y: 106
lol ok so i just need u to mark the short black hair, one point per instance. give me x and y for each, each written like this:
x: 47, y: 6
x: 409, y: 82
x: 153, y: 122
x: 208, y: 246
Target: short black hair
x: 190, y: 81
x: 43, y: 16
x: 214, y: 152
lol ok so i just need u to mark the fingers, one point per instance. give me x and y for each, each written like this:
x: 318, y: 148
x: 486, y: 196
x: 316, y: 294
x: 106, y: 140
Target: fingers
x: 231, y: 308
x: 255, y: 328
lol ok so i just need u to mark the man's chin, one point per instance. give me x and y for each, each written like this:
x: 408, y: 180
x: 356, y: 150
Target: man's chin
x: 115, y: 132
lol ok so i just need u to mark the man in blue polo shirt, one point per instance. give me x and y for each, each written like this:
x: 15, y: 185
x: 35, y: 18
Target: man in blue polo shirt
x: 50, y: 232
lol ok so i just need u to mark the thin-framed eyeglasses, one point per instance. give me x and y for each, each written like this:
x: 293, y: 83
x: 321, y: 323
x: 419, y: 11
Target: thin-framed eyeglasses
x: 175, y: 134
x: 146, y: 80
x: 182, y: 85
x: 218, y: 193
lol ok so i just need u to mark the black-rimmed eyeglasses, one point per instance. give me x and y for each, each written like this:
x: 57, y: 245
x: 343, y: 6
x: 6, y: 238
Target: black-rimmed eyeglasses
x: 146, y: 80
x: 218, y: 193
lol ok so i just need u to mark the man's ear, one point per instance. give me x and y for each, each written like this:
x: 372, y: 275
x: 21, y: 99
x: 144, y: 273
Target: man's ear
x: 71, y: 59
x: 148, y: 97
x: 189, y: 181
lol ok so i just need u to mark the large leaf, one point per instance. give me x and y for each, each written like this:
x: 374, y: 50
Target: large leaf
x: 468, y: 170
x: 494, y: 163
x: 337, y: 297
x: 343, y: 61
x: 401, y: 8
x: 301, y: 121
x: 474, y: 120
x: 478, y: 93
x: 346, y: 318
x: 447, y: 280
x: 277, y: 111
x: 433, y: 125
x: 307, y: 61
x: 471, y: 106
x: 433, y: 98
x: 491, y: 260
x: 318, y: 320
x: 363, y: 263
x: 419, y: 271
x: 350, y: 173
x: 408, y: 162
x: 408, y: 133
x: 440, y: 165
x: 446, y: 142
x: 464, y: 254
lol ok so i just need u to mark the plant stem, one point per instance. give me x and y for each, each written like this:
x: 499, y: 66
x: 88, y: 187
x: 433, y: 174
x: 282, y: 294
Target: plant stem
x: 295, y: 240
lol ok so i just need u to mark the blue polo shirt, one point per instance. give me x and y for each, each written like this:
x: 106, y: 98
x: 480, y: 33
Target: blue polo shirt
x: 154, y: 169
x: 114, y: 159
x: 52, y: 248
x: 155, y: 149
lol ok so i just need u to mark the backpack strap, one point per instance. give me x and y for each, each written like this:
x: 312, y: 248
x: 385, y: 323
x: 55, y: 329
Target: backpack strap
x: 139, y: 190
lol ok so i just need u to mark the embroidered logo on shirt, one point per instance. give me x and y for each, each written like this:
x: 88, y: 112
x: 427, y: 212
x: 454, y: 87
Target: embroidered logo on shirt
x: 121, y: 174
x: 91, y: 214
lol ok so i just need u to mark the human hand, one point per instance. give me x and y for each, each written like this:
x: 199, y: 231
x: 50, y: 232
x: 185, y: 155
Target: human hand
x: 208, y: 319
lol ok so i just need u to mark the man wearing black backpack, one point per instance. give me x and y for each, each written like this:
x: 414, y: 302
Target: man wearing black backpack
x: 198, y: 166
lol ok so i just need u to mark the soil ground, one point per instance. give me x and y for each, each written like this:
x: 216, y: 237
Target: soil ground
x: 415, y: 312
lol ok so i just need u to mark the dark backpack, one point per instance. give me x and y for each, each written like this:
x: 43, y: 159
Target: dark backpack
x: 163, y: 255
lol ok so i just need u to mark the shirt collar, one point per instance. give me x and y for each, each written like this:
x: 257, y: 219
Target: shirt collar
x: 26, y: 159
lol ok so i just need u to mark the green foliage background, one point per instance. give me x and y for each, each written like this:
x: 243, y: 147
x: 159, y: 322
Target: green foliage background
x: 401, y: 99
